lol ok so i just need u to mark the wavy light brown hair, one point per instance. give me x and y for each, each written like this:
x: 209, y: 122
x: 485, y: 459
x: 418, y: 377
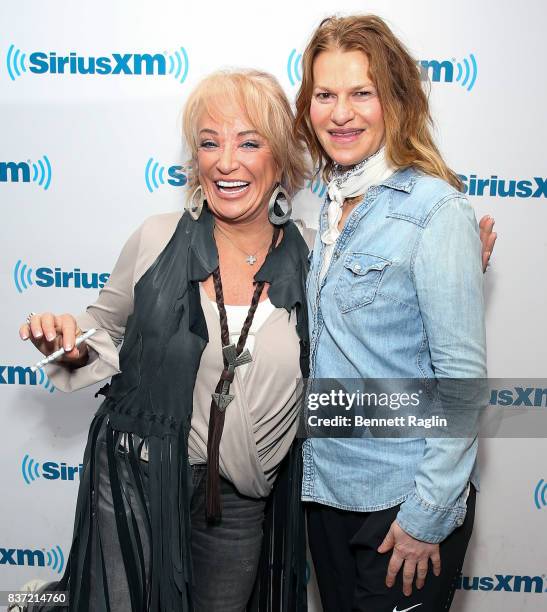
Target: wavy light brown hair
x: 397, y: 79
x: 265, y: 105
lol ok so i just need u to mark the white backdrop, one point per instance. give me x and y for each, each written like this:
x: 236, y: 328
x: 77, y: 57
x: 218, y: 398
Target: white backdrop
x: 81, y: 158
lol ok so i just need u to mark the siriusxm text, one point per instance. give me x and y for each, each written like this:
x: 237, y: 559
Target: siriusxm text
x: 17, y: 375
x: 494, y: 186
x: 117, y: 63
x: 22, y: 556
x: 519, y: 396
x: 14, y: 172
x: 499, y: 582
x: 52, y: 470
x: 55, y: 277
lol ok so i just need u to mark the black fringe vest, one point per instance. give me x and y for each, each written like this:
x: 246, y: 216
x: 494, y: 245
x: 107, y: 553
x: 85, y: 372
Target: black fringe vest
x: 152, y: 398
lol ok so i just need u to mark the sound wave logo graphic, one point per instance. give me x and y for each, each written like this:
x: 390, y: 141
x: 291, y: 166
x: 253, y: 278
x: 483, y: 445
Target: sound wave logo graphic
x: 294, y: 67
x: 154, y: 175
x: 30, y: 469
x: 318, y: 187
x: 42, y: 172
x: 469, y: 70
x: 22, y: 276
x: 15, y: 62
x: 20, y: 172
x: 56, y: 559
x: 540, y: 494
x: 44, y: 381
x: 178, y: 64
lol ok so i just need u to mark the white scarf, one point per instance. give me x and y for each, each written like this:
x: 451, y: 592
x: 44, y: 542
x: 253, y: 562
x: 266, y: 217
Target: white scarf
x: 350, y: 183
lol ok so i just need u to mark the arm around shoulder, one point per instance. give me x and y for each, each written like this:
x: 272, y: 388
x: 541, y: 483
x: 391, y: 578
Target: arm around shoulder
x: 448, y: 277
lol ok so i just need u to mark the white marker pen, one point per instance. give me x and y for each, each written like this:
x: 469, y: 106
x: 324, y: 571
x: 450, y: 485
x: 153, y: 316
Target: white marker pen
x: 62, y: 351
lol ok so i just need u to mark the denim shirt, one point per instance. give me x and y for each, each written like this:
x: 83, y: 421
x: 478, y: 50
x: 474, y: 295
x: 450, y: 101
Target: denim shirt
x: 402, y: 298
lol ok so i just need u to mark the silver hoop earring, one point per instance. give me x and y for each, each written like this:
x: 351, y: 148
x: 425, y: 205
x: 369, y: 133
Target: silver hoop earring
x: 194, y: 204
x: 279, y: 194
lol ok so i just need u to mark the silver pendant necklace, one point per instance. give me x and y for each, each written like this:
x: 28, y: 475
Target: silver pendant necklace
x: 250, y: 258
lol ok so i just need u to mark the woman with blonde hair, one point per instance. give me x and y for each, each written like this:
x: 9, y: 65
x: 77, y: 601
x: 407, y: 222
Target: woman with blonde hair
x: 394, y: 292
x: 189, y: 497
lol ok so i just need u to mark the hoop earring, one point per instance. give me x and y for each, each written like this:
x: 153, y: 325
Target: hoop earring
x: 278, y: 194
x: 194, y: 205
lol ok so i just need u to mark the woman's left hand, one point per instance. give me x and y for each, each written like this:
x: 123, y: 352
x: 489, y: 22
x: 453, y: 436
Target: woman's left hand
x: 488, y: 239
x: 415, y: 555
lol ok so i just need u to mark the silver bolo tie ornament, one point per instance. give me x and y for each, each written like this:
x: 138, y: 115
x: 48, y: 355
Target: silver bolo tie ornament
x: 229, y: 351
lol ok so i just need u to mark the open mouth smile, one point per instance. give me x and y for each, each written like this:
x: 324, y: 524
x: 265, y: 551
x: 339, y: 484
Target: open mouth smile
x: 231, y: 187
x: 346, y: 135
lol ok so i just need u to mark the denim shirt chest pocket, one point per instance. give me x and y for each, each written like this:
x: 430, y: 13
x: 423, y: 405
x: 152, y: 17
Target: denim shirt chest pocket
x: 360, y: 277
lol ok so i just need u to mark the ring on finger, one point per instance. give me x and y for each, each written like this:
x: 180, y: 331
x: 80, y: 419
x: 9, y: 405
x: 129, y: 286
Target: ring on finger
x: 29, y: 317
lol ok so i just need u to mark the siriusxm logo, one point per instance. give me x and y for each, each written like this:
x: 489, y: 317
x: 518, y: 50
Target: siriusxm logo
x: 519, y: 396
x: 504, y: 188
x: 499, y: 582
x: 21, y: 375
x: 451, y: 71
x: 154, y: 175
x: 25, y: 172
x: 50, y: 470
x: 174, y: 64
x: 53, y: 558
x: 540, y: 494
x: 439, y: 71
x: 24, y: 277
x: 474, y: 186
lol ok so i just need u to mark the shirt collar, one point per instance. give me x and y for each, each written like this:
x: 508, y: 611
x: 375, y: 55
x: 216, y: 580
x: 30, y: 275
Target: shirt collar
x: 402, y: 179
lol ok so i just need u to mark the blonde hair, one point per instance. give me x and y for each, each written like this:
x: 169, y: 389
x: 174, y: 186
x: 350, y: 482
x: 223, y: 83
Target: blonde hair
x: 396, y: 76
x: 261, y: 98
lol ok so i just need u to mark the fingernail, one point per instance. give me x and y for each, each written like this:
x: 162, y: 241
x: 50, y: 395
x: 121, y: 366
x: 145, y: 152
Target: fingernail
x: 38, y: 335
x: 50, y: 337
x: 24, y: 337
x: 68, y: 347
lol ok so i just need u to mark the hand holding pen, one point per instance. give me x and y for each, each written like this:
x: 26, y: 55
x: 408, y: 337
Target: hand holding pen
x: 49, y: 333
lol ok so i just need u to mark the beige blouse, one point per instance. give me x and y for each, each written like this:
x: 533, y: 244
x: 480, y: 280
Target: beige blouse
x: 261, y: 421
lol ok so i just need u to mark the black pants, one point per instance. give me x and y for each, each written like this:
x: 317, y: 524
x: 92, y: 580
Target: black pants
x: 351, y: 573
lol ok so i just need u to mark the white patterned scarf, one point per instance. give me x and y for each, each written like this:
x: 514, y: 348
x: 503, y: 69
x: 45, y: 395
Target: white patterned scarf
x: 353, y: 182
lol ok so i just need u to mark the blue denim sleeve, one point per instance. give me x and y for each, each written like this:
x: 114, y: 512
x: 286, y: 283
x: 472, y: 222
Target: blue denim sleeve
x: 448, y: 277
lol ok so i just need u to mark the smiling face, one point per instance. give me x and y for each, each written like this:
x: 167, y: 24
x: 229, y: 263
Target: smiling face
x: 345, y: 110
x: 236, y: 167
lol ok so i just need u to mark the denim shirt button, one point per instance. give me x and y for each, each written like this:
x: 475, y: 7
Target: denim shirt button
x: 356, y: 267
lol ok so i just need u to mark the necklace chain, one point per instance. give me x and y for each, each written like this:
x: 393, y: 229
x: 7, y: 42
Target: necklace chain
x: 250, y: 258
